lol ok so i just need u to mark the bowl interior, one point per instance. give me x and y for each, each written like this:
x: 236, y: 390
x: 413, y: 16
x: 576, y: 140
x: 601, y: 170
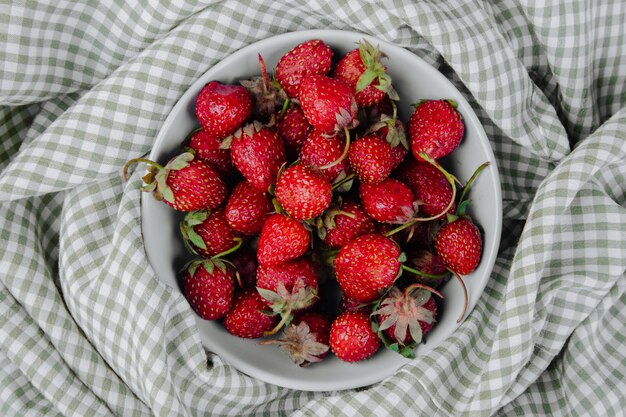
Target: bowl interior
x: 414, y: 79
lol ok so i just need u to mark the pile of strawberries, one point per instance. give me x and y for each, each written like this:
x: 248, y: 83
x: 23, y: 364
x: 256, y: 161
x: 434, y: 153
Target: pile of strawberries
x: 306, y: 185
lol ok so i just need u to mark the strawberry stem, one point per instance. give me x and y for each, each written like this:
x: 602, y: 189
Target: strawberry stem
x: 411, y: 287
x: 343, y: 181
x: 472, y: 178
x: 135, y: 161
x: 423, y: 274
x: 284, y: 109
x: 286, y: 316
x: 231, y: 250
x: 458, y: 277
x: 266, y: 83
x: 451, y: 180
x: 343, y: 154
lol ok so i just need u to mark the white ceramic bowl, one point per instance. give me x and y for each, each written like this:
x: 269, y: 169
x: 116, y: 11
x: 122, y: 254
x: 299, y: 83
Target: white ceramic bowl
x: 414, y: 79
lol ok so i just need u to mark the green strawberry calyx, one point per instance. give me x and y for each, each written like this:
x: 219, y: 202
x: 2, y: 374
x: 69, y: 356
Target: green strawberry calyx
x: 284, y: 303
x: 374, y: 70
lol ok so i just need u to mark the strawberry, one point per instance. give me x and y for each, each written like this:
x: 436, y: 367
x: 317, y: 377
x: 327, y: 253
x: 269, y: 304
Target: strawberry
x: 303, y: 193
x: 325, y: 154
x: 207, y: 233
x: 184, y: 183
x: 363, y: 70
x: 352, y: 338
x: 223, y: 108
x: 247, y: 208
x: 207, y: 148
x: 345, y: 223
x: 267, y: 95
x: 371, y: 159
x: 459, y: 245
x: 258, y: 154
x: 328, y: 104
x: 392, y: 131
x: 429, y: 185
x: 306, y: 339
x: 435, y: 128
x: 312, y: 57
x: 292, y: 127
x: 390, y: 201
x: 427, y: 262
x: 245, y: 264
x: 282, y: 238
x: 208, y: 286
x: 367, y: 266
x: 247, y: 317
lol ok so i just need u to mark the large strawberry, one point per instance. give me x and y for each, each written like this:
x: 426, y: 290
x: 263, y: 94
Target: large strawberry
x: 459, y: 245
x: 371, y: 159
x: 352, y: 338
x: 223, y: 108
x: 435, y: 128
x: 429, y: 185
x: 247, y: 208
x: 312, y: 57
x: 366, y: 266
x: 207, y: 147
x: 208, y: 286
x: 328, y: 104
x: 390, y: 201
x: 282, y: 238
x: 325, y: 153
x: 184, y: 183
x: 302, y: 192
x: 247, y: 317
x: 258, y: 154
x: 344, y: 223
x: 207, y: 233
x: 363, y: 70
x: 292, y: 127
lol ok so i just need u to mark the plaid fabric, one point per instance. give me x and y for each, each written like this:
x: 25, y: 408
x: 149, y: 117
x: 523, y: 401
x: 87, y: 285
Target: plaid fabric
x: 88, y: 330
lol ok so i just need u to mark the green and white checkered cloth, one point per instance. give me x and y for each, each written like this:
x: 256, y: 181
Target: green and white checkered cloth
x: 87, y: 329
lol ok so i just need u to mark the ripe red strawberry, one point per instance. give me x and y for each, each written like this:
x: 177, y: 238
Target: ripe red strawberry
x: 363, y: 70
x: 429, y: 186
x: 247, y: 208
x: 320, y: 150
x: 207, y: 147
x: 312, y: 57
x: 208, y: 286
x: 245, y: 264
x: 223, y: 108
x: 367, y: 266
x: 392, y: 131
x: 390, y: 201
x: 371, y: 159
x: 282, y: 238
x: 292, y: 127
x: 306, y: 339
x: 246, y: 318
x: 459, y: 245
x: 303, y: 193
x: 435, y: 128
x: 207, y: 233
x: 328, y: 104
x: 185, y: 183
x: 343, y: 224
x: 258, y: 154
x: 352, y: 338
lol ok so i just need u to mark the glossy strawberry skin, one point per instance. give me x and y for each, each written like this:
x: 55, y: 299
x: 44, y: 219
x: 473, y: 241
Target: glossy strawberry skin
x: 282, y: 239
x: 352, y: 338
x: 245, y: 318
x: 216, y: 234
x: 312, y: 57
x: 247, y: 208
x: 371, y: 159
x: 207, y: 148
x: 287, y: 273
x: 209, y: 294
x: 196, y: 187
x: 366, y: 266
x: 349, y: 69
x: 347, y: 228
x: 390, y: 201
x: 320, y: 149
x: 303, y: 193
x: 429, y: 186
x: 459, y: 244
x: 223, y: 108
x: 435, y: 128
x: 258, y: 153
x: 293, y: 127
x: 328, y: 104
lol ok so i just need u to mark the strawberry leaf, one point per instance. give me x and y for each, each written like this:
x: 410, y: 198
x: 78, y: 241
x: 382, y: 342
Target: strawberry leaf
x: 365, y: 79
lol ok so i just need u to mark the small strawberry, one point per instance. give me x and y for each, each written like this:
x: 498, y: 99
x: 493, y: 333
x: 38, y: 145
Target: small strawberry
x: 347, y: 304
x: 306, y: 339
x: 282, y: 238
x: 366, y: 266
x: 363, y: 70
x: 302, y: 192
x: 258, y: 154
x: 208, y: 286
x: 247, y: 317
x: 312, y: 57
x: 245, y: 264
x: 392, y: 130
x: 352, y: 338
x: 435, y: 128
x: 328, y: 104
x: 185, y: 183
x: 371, y: 159
x: 433, y: 270
x: 325, y: 154
x: 390, y: 201
x: 429, y: 186
x: 345, y: 223
x: 207, y: 147
x: 292, y: 127
x: 223, y: 108
x: 247, y: 208
x: 207, y: 233
x: 267, y: 95
x: 459, y: 245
